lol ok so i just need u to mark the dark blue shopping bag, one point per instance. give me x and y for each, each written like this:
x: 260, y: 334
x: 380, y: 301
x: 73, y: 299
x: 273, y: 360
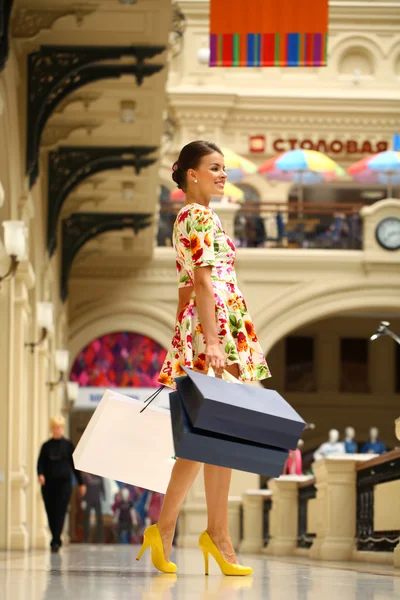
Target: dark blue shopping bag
x: 212, y: 448
x: 240, y: 411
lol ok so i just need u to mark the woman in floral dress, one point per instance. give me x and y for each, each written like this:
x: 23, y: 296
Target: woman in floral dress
x: 213, y: 328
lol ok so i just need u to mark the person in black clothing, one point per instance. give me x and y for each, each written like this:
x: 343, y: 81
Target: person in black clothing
x: 95, y: 493
x: 55, y: 468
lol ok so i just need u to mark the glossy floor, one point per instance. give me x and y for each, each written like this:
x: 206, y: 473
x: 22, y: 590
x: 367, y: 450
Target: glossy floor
x: 111, y: 572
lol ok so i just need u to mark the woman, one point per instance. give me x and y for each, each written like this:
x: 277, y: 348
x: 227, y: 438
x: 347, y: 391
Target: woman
x: 213, y: 329
x: 55, y: 468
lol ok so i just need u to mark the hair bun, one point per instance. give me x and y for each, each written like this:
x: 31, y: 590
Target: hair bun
x: 177, y: 175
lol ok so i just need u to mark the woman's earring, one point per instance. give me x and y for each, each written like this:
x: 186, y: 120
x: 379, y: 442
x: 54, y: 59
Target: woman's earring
x: 195, y: 180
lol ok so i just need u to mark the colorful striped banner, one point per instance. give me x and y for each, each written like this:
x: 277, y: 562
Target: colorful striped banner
x: 264, y: 33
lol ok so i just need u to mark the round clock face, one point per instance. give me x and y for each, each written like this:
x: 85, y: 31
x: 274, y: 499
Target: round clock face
x: 388, y: 233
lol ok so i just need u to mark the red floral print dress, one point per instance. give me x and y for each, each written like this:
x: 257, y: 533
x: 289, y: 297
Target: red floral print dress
x: 199, y: 241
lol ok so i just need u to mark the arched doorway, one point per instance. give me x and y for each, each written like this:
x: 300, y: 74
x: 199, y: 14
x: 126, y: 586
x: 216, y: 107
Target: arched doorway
x: 130, y: 361
x: 332, y: 373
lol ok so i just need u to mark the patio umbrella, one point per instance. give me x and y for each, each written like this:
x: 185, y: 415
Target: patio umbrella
x: 230, y: 190
x: 236, y: 166
x: 303, y: 167
x: 383, y: 168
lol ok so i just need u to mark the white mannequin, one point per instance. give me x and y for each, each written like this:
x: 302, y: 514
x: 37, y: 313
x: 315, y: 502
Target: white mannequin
x: 349, y: 440
x: 373, y: 434
x: 374, y: 446
x: 333, y: 446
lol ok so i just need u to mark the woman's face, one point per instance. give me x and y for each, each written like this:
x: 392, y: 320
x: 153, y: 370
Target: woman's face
x: 210, y: 175
x: 57, y: 431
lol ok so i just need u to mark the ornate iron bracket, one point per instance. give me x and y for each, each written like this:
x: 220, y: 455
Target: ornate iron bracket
x: 5, y: 14
x: 56, y: 71
x: 70, y: 165
x: 80, y: 228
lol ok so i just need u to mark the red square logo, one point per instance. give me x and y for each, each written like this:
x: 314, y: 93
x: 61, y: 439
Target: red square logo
x: 257, y: 143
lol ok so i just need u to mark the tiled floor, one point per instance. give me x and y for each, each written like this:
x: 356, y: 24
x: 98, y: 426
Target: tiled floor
x: 111, y: 573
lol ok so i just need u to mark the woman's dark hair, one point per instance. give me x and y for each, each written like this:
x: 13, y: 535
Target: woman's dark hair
x: 189, y: 158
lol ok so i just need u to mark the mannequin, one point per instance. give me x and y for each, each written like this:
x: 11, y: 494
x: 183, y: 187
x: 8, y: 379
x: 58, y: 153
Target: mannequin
x: 349, y: 442
x: 374, y: 445
x: 294, y: 465
x: 333, y: 446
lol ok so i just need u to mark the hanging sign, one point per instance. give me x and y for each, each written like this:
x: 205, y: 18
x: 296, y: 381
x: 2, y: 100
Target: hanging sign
x: 268, y: 33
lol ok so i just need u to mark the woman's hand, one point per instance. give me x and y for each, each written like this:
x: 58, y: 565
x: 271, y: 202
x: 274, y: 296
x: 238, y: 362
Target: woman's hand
x: 215, y: 358
x: 41, y: 480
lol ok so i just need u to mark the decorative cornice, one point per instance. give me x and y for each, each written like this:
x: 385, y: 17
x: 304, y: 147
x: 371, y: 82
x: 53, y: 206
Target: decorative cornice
x: 29, y: 21
x: 80, y: 228
x: 57, y: 132
x: 56, y: 71
x: 83, y: 96
x: 70, y: 165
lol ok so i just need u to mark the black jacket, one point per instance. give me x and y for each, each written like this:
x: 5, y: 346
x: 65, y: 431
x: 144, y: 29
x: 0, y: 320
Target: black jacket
x: 55, y: 461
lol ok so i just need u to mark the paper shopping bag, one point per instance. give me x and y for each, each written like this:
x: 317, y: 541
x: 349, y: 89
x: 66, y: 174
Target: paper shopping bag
x: 241, y: 411
x: 124, y: 444
x: 223, y: 451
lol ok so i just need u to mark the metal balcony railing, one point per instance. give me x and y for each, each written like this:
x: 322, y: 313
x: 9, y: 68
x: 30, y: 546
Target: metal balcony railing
x: 288, y: 225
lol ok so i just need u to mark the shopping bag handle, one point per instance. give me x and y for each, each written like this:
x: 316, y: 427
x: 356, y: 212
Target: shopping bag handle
x: 150, y: 399
x: 225, y: 375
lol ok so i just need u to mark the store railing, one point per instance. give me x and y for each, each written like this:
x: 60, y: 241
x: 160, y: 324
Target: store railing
x: 288, y: 225
x: 383, y: 469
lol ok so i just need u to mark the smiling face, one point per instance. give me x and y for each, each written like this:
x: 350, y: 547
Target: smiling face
x: 210, y: 176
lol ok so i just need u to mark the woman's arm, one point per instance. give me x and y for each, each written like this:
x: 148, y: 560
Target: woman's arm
x: 185, y: 293
x: 205, y: 301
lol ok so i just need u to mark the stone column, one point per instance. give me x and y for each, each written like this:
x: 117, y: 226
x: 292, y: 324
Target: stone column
x: 336, y: 501
x: 18, y: 406
x: 253, y: 520
x: 284, y: 515
x: 396, y: 556
x: 41, y: 538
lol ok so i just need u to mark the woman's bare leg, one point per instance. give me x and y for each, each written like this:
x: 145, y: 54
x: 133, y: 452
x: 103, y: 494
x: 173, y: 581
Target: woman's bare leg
x: 183, y: 475
x: 217, y: 482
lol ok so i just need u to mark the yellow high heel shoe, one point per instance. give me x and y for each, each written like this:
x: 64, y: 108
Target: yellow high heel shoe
x: 208, y: 547
x: 152, y: 539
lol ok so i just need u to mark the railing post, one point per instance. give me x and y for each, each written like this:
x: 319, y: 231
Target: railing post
x: 336, y: 506
x: 253, y: 520
x: 284, y: 515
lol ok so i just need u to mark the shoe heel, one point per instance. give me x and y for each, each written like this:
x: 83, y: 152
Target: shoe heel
x: 205, y: 554
x: 142, y: 550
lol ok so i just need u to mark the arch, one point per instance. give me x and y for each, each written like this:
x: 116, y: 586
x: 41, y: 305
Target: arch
x: 356, y: 58
x: 345, y: 42
x: 309, y: 304
x: 98, y: 319
x: 250, y: 191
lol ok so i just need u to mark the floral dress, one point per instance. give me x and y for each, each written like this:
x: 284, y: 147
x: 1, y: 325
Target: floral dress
x: 199, y: 241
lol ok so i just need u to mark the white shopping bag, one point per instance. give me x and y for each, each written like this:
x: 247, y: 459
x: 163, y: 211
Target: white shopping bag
x: 124, y: 444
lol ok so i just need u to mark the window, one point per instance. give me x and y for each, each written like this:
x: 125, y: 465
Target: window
x: 354, y: 365
x: 299, y: 371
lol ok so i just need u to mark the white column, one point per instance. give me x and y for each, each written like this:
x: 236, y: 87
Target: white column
x: 41, y: 538
x: 253, y: 520
x: 284, y: 515
x: 18, y: 404
x: 336, y: 502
